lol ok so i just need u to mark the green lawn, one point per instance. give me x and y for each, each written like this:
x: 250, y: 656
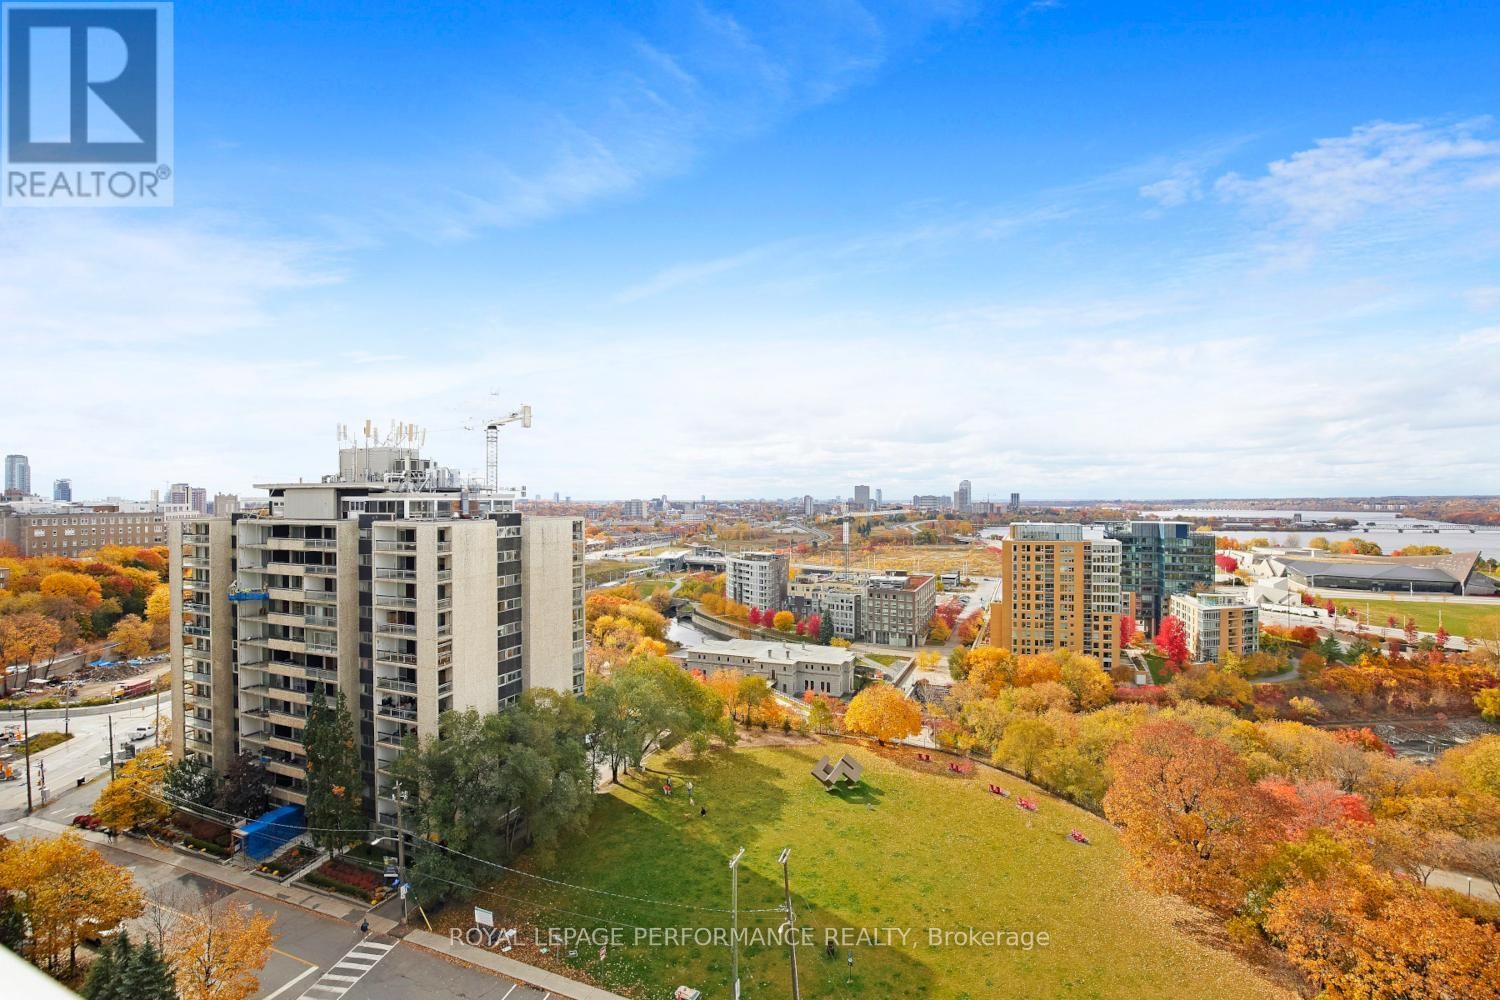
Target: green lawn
x: 886, y: 659
x: 1482, y: 621
x: 916, y: 848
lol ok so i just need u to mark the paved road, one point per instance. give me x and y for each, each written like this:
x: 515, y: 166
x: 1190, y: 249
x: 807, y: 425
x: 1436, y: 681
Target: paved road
x: 67, y: 762
x: 316, y: 955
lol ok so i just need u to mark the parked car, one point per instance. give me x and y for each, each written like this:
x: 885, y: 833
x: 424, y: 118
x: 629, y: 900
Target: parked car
x: 141, y: 733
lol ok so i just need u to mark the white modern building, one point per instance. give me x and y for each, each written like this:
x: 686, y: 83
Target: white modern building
x: 789, y: 667
x: 1218, y: 622
x: 757, y: 579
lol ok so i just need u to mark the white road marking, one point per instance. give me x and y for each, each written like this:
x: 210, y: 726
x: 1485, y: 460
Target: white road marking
x: 293, y: 981
x: 507, y: 992
x: 354, y: 960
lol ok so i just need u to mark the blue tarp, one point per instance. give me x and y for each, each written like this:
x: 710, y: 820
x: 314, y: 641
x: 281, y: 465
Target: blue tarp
x: 264, y: 836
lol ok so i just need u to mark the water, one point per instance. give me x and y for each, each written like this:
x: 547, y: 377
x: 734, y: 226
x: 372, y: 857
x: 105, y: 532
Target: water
x: 1380, y: 527
x: 686, y: 633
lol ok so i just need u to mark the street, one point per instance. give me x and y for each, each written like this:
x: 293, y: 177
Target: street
x: 65, y: 763
x: 317, y: 955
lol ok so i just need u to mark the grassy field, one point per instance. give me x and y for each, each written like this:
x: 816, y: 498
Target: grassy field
x: 916, y: 848
x: 1482, y: 621
x: 977, y: 560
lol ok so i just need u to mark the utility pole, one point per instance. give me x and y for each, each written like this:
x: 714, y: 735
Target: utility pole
x: 400, y: 848
x: 791, y: 921
x: 734, y: 933
x: 26, y: 743
x: 111, y: 720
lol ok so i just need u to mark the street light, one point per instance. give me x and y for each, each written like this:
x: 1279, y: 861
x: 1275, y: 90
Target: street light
x: 734, y: 937
x: 791, y: 920
x: 400, y: 839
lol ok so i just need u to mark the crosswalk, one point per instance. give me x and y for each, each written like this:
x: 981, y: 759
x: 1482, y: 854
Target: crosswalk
x: 343, y: 974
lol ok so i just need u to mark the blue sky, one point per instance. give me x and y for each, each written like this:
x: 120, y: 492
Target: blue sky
x: 1067, y: 248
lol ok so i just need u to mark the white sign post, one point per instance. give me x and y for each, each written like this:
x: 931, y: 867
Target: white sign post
x: 483, y: 917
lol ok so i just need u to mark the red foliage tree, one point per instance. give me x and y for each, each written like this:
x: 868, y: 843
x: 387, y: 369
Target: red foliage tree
x: 1171, y: 639
x: 1127, y: 629
x: 755, y: 616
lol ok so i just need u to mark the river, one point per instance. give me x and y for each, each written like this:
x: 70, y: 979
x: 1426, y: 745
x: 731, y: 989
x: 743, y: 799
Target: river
x: 1384, y: 528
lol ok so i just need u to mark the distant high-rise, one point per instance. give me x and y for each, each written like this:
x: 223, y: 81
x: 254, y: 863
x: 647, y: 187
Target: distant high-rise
x: 635, y: 508
x: 179, y: 493
x: 879, y: 499
x: 963, y: 498
x: 862, y: 497
x: 1015, y: 503
x: 17, y: 475
x: 808, y: 507
x: 1159, y: 559
x: 62, y: 489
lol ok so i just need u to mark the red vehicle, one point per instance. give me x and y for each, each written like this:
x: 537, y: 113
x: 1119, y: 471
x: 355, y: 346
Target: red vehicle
x: 130, y: 689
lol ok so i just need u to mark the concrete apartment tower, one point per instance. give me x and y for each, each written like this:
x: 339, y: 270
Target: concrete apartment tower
x: 1059, y: 590
x: 408, y: 597
x: 757, y: 579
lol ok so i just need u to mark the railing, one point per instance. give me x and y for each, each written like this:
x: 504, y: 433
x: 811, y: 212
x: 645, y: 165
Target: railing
x: 198, y: 630
x: 387, y: 656
x: 396, y: 712
x: 385, y: 545
x: 444, y: 603
x: 389, y: 573
x: 393, y: 684
x: 443, y: 575
x: 391, y: 601
x: 321, y: 621
x: 320, y: 596
x: 321, y: 543
x: 197, y: 607
x: 390, y: 739
x: 318, y: 646
x: 318, y: 569
x: 395, y: 628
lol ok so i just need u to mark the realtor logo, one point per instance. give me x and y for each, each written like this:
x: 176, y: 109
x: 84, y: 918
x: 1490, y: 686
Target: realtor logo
x: 85, y: 104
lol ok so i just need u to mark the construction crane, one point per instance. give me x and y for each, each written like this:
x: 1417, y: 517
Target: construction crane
x: 492, y: 444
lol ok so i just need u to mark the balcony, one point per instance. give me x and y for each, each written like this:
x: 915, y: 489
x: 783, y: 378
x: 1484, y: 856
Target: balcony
x: 387, y: 545
x: 322, y: 647
x: 391, y: 573
x: 391, y: 710
x: 390, y: 738
x: 197, y: 745
x: 202, y: 631
x: 387, y: 656
x: 195, y: 562
x: 320, y: 596
x: 197, y: 607
x: 395, y: 628
x: 395, y: 685
x: 321, y: 621
x: 391, y: 601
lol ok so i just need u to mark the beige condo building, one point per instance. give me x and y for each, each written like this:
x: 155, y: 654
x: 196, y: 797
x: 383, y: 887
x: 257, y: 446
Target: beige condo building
x: 1059, y: 590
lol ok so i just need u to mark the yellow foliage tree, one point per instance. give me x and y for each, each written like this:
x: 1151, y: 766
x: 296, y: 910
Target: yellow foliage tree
x: 217, y: 954
x: 65, y: 887
x: 883, y: 712
x: 134, y: 798
x: 1085, y: 679
x: 78, y: 587
x: 159, y: 613
x: 784, y: 621
x: 131, y: 636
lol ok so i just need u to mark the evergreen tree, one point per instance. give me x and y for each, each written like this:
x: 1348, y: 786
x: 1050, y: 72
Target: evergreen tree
x: 825, y: 629
x: 191, y: 781
x: 148, y: 976
x: 335, y: 803
x: 247, y: 787
x: 104, y: 979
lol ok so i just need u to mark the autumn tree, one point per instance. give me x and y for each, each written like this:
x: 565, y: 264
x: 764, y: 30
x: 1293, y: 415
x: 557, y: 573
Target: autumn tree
x: 1171, y: 639
x: 784, y: 621
x: 754, y: 692
x: 1085, y: 679
x: 1364, y: 933
x: 131, y: 637
x: 135, y: 797
x: 64, y: 887
x: 1127, y: 630
x: 77, y: 587
x: 26, y: 638
x: 217, y: 954
x: 883, y: 712
x: 159, y: 614
x: 1194, y: 824
x: 820, y: 714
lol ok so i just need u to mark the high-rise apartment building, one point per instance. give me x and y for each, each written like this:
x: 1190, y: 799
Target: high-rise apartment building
x: 963, y: 497
x: 1015, y: 503
x: 17, y: 476
x: 1159, y: 559
x: 62, y: 490
x: 757, y: 579
x: 809, y: 507
x: 635, y: 508
x: 861, y: 498
x: 1059, y: 590
x: 408, y: 598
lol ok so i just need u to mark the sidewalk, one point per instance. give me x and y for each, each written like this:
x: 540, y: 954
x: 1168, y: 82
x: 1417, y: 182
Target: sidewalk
x: 339, y: 909
x: 542, y: 979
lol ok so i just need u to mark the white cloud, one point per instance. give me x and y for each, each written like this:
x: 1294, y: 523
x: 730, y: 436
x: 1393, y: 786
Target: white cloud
x: 1183, y: 186
x: 1377, y: 165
